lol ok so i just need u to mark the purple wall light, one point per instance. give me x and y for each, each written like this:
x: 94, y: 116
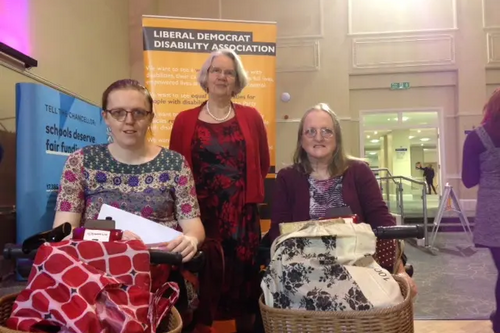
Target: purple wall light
x: 14, y: 25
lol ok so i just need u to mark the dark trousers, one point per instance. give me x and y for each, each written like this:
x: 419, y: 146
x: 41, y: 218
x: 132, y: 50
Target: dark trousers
x: 430, y: 183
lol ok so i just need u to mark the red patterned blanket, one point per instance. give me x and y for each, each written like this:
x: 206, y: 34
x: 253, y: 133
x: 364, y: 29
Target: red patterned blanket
x: 89, y: 286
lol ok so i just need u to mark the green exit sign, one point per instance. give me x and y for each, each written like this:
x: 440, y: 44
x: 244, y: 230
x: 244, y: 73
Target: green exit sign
x: 400, y: 85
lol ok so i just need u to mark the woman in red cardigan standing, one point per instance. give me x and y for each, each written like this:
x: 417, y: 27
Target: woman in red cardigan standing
x: 226, y: 146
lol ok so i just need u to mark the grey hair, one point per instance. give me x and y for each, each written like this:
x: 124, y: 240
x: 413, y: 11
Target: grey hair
x: 340, y: 161
x: 241, y: 74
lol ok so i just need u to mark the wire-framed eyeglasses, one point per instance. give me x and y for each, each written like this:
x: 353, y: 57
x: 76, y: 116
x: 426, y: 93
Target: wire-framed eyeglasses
x: 121, y: 114
x: 326, y: 133
x: 219, y: 71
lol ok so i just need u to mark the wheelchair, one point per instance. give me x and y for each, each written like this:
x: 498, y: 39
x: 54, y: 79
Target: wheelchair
x: 28, y: 250
x: 398, y: 319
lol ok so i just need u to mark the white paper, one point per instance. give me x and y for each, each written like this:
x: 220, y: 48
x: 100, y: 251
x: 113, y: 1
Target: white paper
x: 151, y: 233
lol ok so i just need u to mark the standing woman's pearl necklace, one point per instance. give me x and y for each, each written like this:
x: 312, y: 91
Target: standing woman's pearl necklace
x: 219, y: 119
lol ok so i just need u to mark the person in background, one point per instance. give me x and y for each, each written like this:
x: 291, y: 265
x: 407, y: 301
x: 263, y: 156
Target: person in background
x: 429, y: 175
x: 323, y: 176
x: 481, y: 166
x: 226, y: 145
x: 132, y: 174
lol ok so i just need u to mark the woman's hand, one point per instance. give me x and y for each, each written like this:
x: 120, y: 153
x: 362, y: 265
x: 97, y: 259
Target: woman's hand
x: 411, y: 282
x: 187, y: 246
x: 129, y: 235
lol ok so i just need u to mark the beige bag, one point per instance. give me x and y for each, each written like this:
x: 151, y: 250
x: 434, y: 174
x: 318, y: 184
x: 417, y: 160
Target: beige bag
x: 328, y: 266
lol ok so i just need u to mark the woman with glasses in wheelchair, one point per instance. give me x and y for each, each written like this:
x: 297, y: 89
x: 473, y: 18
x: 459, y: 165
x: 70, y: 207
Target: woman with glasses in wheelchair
x: 324, y: 177
x: 132, y: 174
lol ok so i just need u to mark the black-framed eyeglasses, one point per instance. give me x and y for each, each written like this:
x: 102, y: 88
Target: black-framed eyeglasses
x: 220, y: 71
x: 121, y: 114
x: 326, y: 133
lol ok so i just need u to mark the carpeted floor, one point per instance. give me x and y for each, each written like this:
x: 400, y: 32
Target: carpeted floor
x: 458, y: 282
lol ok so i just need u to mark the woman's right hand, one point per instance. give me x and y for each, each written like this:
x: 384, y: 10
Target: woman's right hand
x: 129, y: 235
x: 412, y: 284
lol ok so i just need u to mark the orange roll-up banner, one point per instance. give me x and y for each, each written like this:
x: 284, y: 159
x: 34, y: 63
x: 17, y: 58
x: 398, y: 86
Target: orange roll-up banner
x: 175, y: 48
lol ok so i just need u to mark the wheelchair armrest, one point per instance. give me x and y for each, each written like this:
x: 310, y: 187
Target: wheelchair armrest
x: 196, y: 264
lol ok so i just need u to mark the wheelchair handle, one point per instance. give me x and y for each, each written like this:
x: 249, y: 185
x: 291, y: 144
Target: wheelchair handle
x: 30, y: 246
x: 13, y: 251
x: 52, y: 236
x: 399, y: 232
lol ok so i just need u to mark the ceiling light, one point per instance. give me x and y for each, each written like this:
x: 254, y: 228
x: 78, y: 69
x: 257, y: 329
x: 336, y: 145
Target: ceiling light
x: 411, y: 137
x: 405, y: 118
x: 373, y: 153
x: 421, y: 144
x: 375, y: 132
x: 367, y: 136
x: 419, y: 131
x: 374, y: 141
x: 424, y: 139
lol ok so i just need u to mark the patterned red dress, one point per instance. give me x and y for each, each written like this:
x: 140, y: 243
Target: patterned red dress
x: 219, y: 169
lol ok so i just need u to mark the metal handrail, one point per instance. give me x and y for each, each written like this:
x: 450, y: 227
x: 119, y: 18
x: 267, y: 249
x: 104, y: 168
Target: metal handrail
x: 383, y: 169
x: 388, y: 197
x: 386, y: 170
x: 411, y: 180
x: 399, y: 193
x: 46, y: 82
x: 400, y: 196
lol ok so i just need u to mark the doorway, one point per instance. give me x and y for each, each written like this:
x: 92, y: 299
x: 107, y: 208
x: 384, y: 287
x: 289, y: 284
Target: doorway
x: 397, y: 140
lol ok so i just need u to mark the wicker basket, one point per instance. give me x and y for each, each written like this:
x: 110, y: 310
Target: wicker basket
x: 6, y: 303
x: 396, y: 319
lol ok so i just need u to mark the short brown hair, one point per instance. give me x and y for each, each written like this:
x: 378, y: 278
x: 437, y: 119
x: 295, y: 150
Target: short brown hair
x: 340, y: 161
x: 126, y: 84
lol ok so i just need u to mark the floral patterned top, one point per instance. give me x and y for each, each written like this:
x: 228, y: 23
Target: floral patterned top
x: 161, y: 190
x: 324, y: 194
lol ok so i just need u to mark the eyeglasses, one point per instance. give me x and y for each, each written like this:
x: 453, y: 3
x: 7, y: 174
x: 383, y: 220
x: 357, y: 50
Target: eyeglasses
x: 326, y: 133
x: 219, y: 71
x: 121, y: 114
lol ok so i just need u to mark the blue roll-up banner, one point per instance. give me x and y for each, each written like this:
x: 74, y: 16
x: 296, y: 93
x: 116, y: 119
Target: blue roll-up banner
x: 50, y: 125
